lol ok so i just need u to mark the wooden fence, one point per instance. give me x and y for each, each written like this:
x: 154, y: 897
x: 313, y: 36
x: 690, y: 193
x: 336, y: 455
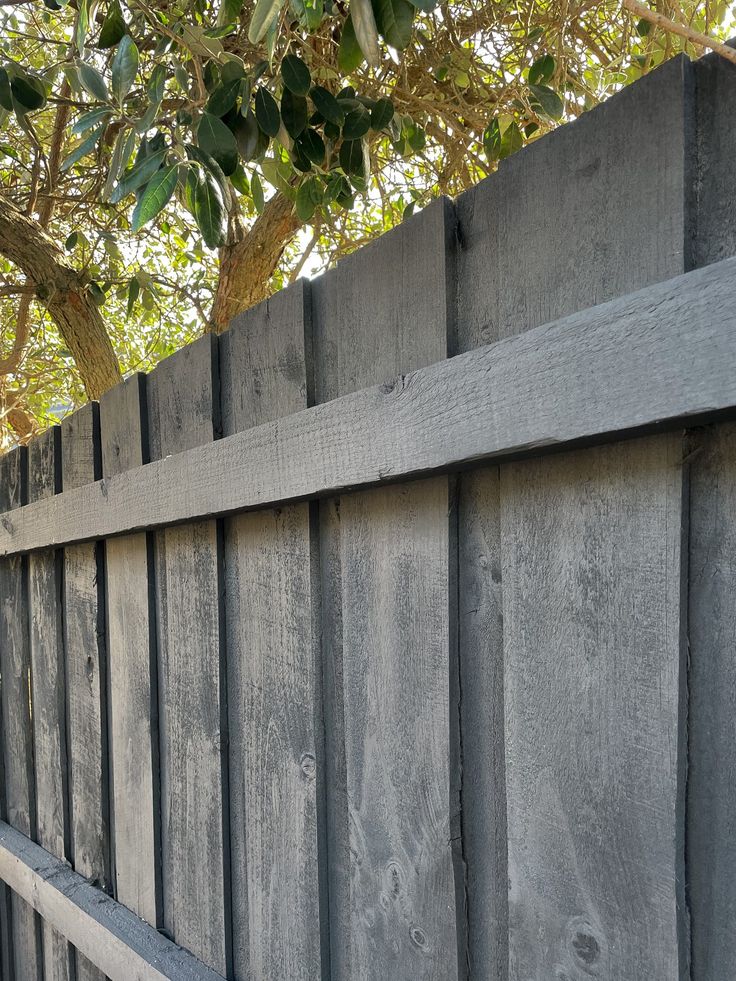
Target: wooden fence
x: 319, y: 663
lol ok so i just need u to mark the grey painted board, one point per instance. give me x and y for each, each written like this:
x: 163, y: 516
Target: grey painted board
x: 274, y: 670
x: 183, y: 411
x: 483, y: 788
x: 132, y: 670
x: 119, y: 943
x: 385, y: 572
x: 616, y: 221
x: 86, y: 680
x: 715, y: 197
x: 652, y: 359
x: 595, y: 659
x: 15, y: 669
x: 45, y: 573
x: 711, y: 843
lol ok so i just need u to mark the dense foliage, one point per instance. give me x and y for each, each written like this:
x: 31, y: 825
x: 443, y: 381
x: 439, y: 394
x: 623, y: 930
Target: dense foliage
x: 180, y: 160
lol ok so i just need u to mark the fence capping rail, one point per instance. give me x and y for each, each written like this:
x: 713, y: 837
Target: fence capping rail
x: 120, y: 944
x: 647, y: 360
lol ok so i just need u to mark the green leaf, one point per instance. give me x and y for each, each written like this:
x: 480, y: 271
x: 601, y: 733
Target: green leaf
x: 205, y: 201
x: 308, y: 198
x: 121, y: 154
x: 351, y: 157
x: 143, y: 169
x: 92, y: 82
x: 155, y: 197
x: 547, y: 102
x: 6, y: 96
x: 267, y: 112
x: 643, y: 28
x: 124, y: 68
x: 366, y: 29
x: 28, y: 93
x: 357, y: 123
x: 349, y: 55
x: 492, y: 140
x: 82, y: 25
x: 511, y: 141
x: 248, y: 136
x: 381, y: 114
x: 296, y: 75
x: 309, y: 13
x: 89, y: 119
x: 113, y: 26
x: 223, y: 98
x: 542, y: 70
x: 229, y: 12
x: 312, y: 146
x: 214, y: 137
x: 134, y: 288
x: 327, y: 105
x: 71, y: 241
x: 265, y: 13
x: 83, y: 148
x: 256, y: 189
x: 294, y: 113
x: 156, y: 83
x: 394, y: 19
x: 97, y: 293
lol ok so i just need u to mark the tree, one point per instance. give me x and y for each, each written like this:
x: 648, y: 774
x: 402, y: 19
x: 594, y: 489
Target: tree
x: 163, y: 167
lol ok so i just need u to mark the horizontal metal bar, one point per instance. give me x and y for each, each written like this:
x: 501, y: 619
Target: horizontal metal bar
x: 661, y: 356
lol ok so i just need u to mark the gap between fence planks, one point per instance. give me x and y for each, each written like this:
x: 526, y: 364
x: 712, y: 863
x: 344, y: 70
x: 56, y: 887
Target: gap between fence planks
x: 660, y: 355
x: 122, y: 946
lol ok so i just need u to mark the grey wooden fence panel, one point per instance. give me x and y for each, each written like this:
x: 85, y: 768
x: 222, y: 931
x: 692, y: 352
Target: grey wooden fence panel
x: 619, y: 220
x: 86, y: 672
x: 15, y: 669
x: 712, y: 680
x: 48, y: 690
x: 132, y: 671
x: 274, y: 670
x: 392, y: 879
x: 183, y: 411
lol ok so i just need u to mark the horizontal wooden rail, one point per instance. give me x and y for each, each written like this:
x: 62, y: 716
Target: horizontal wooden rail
x: 659, y: 356
x: 122, y: 946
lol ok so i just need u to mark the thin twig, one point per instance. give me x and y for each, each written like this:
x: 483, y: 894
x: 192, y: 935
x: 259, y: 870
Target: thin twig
x: 672, y: 27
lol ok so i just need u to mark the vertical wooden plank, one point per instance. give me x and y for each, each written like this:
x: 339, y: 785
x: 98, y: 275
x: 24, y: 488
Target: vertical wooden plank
x: 712, y: 681
x: 619, y: 219
x: 274, y: 671
x: 183, y: 411
x: 45, y: 569
x: 711, y: 777
x: 15, y: 667
x: 592, y: 580
x: 132, y: 670
x: 86, y: 678
x: 393, y: 904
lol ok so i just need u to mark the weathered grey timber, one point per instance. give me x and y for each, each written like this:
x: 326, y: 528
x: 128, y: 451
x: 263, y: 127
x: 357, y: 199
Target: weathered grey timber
x: 17, y: 736
x: 132, y: 670
x: 183, y: 411
x: 711, y: 825
x: 395, y: 908
x: 86, y: 672
x: 274, y: 670
x: 110, y: 936
x: 48, y: 698
x: 654, y: 358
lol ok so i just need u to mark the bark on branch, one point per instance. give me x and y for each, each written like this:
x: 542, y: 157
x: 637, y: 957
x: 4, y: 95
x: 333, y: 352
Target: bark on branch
x: 63, y: 291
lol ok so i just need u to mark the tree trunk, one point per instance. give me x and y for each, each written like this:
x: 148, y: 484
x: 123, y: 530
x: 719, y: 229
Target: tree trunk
x: 249, y: 260
x: 63, y: 291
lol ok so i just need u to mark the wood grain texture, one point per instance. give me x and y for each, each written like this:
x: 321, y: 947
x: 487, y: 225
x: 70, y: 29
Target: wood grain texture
x: 86, y: 672
x: 132, y: 668
x: 617, y: 220
x: 15, y: 669
x: 594, y: 659
x: 183, y: 411
x: 274, y: 670
x: 48, y: 691
x: 123, y: 946
x: 385, y: 566
x: 651, y: 359
x: 711, y: 845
